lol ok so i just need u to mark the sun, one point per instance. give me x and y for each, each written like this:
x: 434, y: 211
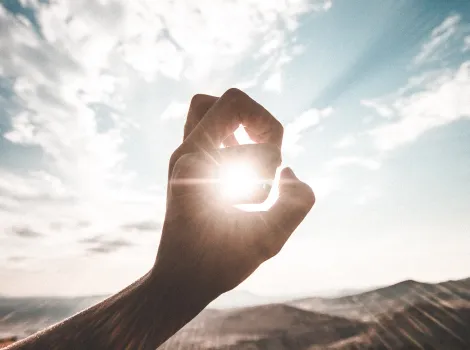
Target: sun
x: 238, y: 181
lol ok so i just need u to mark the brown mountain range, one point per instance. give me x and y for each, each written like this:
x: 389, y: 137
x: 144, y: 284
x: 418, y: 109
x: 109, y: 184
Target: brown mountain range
x: 407, y: 315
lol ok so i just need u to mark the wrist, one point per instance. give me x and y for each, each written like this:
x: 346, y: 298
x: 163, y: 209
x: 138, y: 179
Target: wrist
x: 155, y: 308
x: 183, y: 292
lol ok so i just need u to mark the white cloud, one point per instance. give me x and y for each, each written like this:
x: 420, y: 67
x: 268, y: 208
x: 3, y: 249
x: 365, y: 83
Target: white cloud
x: 438, y: 39
x: 272, y: 42
x: 427, y: 79
x: 346, y: 142
x: 325, y: 186
x: 54, y: 91
x: 437, y: 104
x: 102, y: 53
x: 371, y: 164
x: 35, y: 185
x: 368, y: 194
x: 274, y: 66
x: 466, y: 45
x: 274, y: 82
x: 63, y: 218
x: 293, y: 130
x: 381, y: 109
x: 175, y: 110
x: 246, y: 84
x: 86, y: 54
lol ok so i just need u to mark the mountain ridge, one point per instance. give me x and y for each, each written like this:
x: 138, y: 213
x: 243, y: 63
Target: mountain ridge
x: 387, y: 317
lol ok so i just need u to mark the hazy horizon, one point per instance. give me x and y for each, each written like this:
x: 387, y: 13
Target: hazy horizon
x: 374, y: 97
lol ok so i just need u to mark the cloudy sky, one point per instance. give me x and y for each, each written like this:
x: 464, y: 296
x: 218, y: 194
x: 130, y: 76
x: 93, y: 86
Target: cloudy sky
x: 374, y: 96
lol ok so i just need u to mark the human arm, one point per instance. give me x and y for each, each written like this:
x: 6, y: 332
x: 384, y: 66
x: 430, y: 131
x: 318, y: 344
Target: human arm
x: 206, y: 248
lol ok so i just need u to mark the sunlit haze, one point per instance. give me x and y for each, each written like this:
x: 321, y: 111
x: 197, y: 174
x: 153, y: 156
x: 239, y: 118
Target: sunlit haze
x: 238, y: 180
x: 374, y: 97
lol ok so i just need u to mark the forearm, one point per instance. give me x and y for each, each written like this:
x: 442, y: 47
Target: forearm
x: 142, y: 316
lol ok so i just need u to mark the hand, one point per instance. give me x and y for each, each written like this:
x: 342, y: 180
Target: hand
x: 207, y: 246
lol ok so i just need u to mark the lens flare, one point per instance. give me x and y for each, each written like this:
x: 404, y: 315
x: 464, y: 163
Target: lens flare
x: 238, y: 180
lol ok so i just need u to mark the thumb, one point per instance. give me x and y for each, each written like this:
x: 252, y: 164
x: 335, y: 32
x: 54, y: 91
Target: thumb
x: 296, y: 198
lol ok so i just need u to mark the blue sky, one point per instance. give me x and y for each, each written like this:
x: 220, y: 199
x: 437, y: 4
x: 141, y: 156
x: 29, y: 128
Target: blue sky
x: 374, y: 97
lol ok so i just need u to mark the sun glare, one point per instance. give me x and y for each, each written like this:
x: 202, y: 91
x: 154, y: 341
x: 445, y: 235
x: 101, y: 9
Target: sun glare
x: 242, y: 136
x: 238, y: 180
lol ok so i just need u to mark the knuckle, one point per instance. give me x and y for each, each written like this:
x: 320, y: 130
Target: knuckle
x: 183, y: 165
x: 201, y: 101
x: 193, y: 165
x: 234, y: 94
x: 197, y: 99
x: 198, y: 107
x: 183, y: 160
x: 174, y: 157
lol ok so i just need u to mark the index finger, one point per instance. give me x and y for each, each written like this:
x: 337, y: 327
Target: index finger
x: 233, y: 108
x: 198, y: 107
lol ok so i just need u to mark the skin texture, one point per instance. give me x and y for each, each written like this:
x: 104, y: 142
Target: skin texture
x: 207, y: 248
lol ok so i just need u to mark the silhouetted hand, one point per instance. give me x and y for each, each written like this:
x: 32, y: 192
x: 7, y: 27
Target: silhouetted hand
x: 208, y: 245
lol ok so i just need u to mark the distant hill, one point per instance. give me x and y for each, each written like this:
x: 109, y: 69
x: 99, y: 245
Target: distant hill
x: 25, y: 316
x: 4, y: 342
x: 369, y: 305
x: 264, y: 327
x: 399, y: 316
x: 240, y: 298
x: 406, y: 315
x: 425, y: 325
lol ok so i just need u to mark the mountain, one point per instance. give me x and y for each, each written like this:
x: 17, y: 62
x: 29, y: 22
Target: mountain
x: 25, y: 316
x: 264, y: 327
x: 241, y: 298
x: 425, y: 325
x: 4, y: 342
x: 369, y: 305
x: 406, y: 315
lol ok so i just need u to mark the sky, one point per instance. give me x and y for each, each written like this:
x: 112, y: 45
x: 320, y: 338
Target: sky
x: 374, y: 97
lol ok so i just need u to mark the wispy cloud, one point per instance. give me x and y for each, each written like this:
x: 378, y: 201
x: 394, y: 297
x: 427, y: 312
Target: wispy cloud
x: 143, y: 226
x: 438, y: 40
x: 369, y: 163
x: 17, y: 258
x: 440, y: 103
x: 274, y: 82
x: 116, y: 42
x: 324, y: 186
x: 175, y: 110
x: 346, y: 142
x: 110, y: 246
x: 368, y: 194
x: 33, y: 186
x: 60, y: 220
x: 294, y: 129
x: 25, y: 232
x: 53, y: 92
x: 466, y: 44
x: 380, y: 108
